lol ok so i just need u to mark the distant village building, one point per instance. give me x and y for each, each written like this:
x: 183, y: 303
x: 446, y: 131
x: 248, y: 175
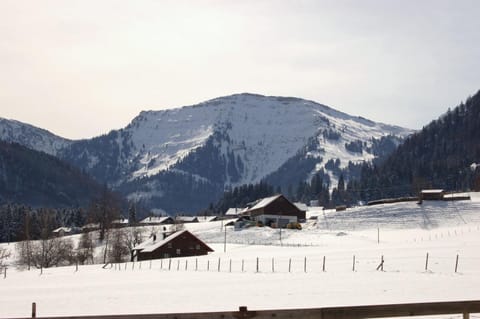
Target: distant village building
x: 118, y: 223
x: 432, y: 194
x: 186, y: 219
x: 234, y: 212
x: 275, y: 210
x: 90, y: 227
x: 62, y: 231
x: 157, y: 220
x: 179, y: 244
x: 206, y: 219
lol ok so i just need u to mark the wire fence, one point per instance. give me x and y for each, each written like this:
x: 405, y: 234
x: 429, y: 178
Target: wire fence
x: 427, y: 263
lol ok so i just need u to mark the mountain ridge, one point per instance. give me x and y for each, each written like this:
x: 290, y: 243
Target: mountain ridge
x: 223, y: 142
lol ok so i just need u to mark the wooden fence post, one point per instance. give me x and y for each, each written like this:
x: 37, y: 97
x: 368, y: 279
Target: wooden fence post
x: 353, y: 267
x: 456, y: 264
x: 290, y: 265
x: 273, y: 264
x: 426, y: 262
x: 34, y: 310
x: 257, y: 265
x: 323, y: 266
x: 243, y: 265
x: 196, y: 264
x: 305, y: 265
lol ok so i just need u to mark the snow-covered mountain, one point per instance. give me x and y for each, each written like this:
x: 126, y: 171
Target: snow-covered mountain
x: 32, y: 137
x: 183, y: 158
x: 224, y: 142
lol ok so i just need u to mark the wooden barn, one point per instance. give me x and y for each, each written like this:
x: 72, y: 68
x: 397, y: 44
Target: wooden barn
x: 277, y: 210
x: 179, y: 244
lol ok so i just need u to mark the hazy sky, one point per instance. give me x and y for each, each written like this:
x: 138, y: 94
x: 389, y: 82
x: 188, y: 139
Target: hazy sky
x: 81, y: 68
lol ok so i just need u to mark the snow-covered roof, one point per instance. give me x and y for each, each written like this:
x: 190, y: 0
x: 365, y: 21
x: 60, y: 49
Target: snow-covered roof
x: 301, y: 206
x: 64, y: 229
x: 154, y: 219
x: 233, y: 211
x: 187, y: 219
x: 432, y: 191
x: 150, y: 244
x: 120, y: 221
x: 265, y: 202
x: 206, y: 219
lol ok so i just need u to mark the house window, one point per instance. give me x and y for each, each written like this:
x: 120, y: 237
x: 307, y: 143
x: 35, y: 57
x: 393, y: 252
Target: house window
x: 179, y: 251
x: 166, y: 255
x: 169, y: 245
x: 198, y: 247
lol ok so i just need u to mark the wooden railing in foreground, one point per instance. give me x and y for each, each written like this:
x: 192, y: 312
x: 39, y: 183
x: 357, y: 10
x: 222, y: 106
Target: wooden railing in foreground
x: 464, y: 308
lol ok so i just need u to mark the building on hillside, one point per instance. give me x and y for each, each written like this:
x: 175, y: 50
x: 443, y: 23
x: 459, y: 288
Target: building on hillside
x: 233, y: 212
x: 275, y: 211
x: 118, y: 223
x: 62, y: 231
x: 180, y: 244
x: 207, y: 219
x: 90, y: 227
x: 432, y: 194
x: 156, y: 220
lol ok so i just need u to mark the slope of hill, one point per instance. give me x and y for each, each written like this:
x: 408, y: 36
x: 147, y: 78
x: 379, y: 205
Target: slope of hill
x: 162, y: 156
x: 288, y: 276
x: 38, y: 179
x: 444, y: 154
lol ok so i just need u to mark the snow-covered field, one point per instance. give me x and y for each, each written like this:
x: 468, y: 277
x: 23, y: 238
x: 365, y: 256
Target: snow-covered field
x: 290, y: 273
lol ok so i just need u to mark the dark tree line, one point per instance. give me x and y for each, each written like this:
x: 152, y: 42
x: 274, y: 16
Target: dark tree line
x: 19, y: 222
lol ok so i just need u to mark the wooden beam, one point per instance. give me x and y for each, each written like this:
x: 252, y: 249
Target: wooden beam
x: 464, y: 308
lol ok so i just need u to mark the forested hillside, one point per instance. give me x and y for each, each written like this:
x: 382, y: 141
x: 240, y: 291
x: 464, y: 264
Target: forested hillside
x: 444, y: 154
x: 40, y: 180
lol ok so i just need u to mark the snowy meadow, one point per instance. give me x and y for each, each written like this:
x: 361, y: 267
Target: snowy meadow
x: 430, y: 252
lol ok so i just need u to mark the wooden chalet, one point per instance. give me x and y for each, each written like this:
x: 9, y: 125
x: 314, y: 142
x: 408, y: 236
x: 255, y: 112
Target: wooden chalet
x: 277, y: 210
x: 180, y: 244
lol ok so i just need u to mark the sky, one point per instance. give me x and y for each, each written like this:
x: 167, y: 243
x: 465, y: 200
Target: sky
x: 83, y: 68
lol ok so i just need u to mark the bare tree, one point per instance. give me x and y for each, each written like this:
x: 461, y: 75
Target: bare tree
x: 118, y: 246
x: 46, y: 252
x: 85, y: 248
x: 133, y: 237
x: 4, y: 255
x: 103, y: 211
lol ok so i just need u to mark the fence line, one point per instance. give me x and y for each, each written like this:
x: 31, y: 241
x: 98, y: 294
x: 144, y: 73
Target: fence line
x: 312, y: 264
